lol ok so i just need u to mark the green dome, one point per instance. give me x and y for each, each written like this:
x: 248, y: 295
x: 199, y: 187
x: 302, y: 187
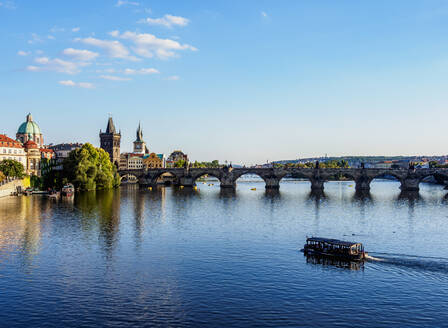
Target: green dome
x: 29, y: 127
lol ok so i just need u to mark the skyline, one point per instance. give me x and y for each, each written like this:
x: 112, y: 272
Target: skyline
x: 243, y: 82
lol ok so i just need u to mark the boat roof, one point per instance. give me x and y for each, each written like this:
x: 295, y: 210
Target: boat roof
x: 333, y: 241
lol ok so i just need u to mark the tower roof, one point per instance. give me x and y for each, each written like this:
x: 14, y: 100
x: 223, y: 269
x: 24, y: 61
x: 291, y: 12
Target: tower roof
x: 110, y: 126
x: 139, y: 133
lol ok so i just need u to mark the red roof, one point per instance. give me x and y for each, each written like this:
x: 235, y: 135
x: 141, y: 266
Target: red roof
x: 30, y: 144
x: 8, y: 142
x: 46, y: 150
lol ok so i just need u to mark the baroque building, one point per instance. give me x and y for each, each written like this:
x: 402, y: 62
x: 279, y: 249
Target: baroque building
x: 110, y: 142
x: 29, y: 130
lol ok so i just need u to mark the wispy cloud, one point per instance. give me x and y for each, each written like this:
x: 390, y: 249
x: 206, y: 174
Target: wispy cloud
x: 264, y: 14
x: 114, y: 78
x: 56, y: 65
x: 114, y: 49
x: 7, y: 4
x: 76, y: 29
x: 23, y: 53
x: 56, y: 29
x: 126, y: 3
x: 141, y: 71
x: 173, y: 78
x: 148, y: 45
x: 70, y: 83
x: 80, y: 54
x: 167, y: 21
x: 34, y: 39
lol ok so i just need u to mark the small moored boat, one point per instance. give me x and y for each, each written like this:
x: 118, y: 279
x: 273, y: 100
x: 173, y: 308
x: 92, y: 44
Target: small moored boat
x: 68, y: 190
x: 347, y: 250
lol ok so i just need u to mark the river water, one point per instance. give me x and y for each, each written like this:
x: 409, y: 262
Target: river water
x: 209, y: 258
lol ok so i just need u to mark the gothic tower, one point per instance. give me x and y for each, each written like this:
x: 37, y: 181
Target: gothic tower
x: 110, y: 142
x: 139, y: 144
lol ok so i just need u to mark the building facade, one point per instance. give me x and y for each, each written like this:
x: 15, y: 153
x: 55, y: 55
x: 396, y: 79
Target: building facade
x: 153, y: 161
x: 12, y: 149
x: 33, y: 158
x: 110, y: 142
x: 29, y: 130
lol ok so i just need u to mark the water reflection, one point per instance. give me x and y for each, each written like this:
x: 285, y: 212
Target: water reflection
x: 333, y: 262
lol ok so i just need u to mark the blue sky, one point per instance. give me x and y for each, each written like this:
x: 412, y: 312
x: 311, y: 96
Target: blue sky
x: 243, y: 81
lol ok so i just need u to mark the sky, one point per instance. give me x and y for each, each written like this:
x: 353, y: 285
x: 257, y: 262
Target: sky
x: 242, y: 81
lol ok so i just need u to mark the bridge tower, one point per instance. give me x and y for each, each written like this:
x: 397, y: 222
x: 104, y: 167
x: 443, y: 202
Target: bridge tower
x: 110, y: 142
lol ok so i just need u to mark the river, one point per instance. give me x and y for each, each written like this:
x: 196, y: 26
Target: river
x: 210, y: 258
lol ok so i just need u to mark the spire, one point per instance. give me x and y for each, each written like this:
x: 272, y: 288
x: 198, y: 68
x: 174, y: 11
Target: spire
x: 110, y: 126
x: 139, y: 133
x: 29, y: 118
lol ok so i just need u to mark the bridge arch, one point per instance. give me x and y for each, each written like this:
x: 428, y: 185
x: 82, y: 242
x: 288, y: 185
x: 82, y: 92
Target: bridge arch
x: 211, y: 173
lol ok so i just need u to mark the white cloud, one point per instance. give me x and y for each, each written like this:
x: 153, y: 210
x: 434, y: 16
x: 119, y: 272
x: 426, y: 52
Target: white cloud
x: 141, y: 71
x: 114, y: 49
x: 126, y: 3
x: 39, y: 52
x: 34, y: 38
x: 167, y: 21
x: 148, y: 45
x: 79, y: 54
x: 56, y: 65
x: 23, y: 53
x: 7, y: 4
x: 76, y: 29
x: 50, y: 37
x: 70, y: 83
x: 173, y: 78
x: 263, y: 14
x: 114, y: 78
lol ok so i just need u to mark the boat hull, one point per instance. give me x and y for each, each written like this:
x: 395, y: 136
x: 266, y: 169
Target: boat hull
x: 348, y: 257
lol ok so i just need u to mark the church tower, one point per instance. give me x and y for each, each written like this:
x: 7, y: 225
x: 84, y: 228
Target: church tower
x: 139, y: 144
x: 110, y: 142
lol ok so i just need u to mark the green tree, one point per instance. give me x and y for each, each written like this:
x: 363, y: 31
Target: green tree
x: 180, y: 163
x: 12, y: 168
x: 90, y: 168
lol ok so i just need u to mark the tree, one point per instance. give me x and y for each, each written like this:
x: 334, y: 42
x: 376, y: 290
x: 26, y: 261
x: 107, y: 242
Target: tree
x: 2, y: 176
x: 180, y: 163
x: 12, y: 168
x: 90, y: 168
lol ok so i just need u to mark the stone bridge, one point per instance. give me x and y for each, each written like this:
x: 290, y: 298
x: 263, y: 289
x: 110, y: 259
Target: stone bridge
x: 408, y: 178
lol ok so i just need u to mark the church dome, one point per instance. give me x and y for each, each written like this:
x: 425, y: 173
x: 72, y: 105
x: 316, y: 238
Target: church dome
x: 29, y: 127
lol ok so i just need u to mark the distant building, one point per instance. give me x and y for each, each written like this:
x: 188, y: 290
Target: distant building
x: 12, y: 149
x: 29, y: 130
x: 131, y: 161
x: 153, y: 161
x: 47, y: 153
x: 176, y: 156
x: 62, y: 151
x: 110, y: 142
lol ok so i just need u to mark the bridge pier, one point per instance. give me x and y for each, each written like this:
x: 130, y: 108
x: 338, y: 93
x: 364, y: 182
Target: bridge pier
x: 362, y: 183
x: 410, y: 184
x: 317, y: 184
x: 272, y: 182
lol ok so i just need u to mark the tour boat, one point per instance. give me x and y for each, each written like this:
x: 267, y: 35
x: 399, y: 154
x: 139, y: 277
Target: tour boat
x: 68, y: 190
x: 334, y: 248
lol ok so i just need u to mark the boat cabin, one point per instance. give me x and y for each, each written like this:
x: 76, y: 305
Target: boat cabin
x: 334, y: 246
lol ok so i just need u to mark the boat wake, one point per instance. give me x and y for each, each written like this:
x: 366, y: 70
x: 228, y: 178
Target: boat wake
x: 422, y: 263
